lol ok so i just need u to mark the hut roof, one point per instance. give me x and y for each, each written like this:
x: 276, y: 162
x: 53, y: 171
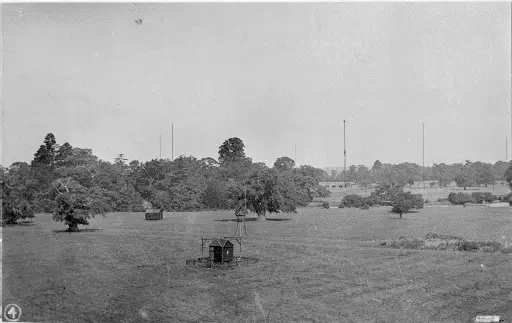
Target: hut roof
x: 221, y: 243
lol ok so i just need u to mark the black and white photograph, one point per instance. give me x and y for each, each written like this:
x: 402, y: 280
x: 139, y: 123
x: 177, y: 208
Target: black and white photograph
x: 256, y: 162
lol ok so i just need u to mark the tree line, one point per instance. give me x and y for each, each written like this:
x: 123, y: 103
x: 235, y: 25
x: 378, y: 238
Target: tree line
x: 466, y: 174
x: 74, y: 184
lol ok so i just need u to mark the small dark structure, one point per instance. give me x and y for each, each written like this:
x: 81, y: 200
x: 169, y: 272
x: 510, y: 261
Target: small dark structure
x: 154, y: 214
x: 221, y: 250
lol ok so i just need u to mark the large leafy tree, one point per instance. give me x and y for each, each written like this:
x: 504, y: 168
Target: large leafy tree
x: 442, y: 174
x: 76, y: 204
x: 18, y: 193
x: 351, y: 175
x: 508, y: 175
x: 403, y: 202
x: 482, y: 173
x: 465, y: 176
x: 284, y: 164
x: 233, y: 149
x: 46, y: 153
x: 260, y: 191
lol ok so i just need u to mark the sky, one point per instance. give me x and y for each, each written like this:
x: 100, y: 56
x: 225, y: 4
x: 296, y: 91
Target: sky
x: 276, y: 75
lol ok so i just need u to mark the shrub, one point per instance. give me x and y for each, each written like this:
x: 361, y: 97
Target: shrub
x: 489, y: 197
x: 466, y: 245
x: 365, y: 207
x: 325, y: 205
x: 341, y: 205
x: 353, y: 200
x: 417, y: 200
x: 460, y: 198
x: 371, y: 200
x: 479, y: 197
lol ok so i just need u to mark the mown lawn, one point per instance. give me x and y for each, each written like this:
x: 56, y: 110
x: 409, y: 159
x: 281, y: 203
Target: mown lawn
x: 317, y: 267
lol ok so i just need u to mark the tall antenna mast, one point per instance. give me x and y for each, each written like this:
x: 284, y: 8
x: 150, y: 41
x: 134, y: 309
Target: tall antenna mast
x: 506, y: 148
x: 172, y: 141
x: 344, y: 154
x: 160, y: 146
x: 295, y: 155
x: 423, y: 175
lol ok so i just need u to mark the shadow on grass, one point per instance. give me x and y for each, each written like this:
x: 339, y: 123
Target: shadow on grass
x: 253, y: 219
x: 19, y: 224
x: 81, y: 230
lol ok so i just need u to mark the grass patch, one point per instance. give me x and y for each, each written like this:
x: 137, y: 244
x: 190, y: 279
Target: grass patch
x: 434, y: 241
x: 316, y: 267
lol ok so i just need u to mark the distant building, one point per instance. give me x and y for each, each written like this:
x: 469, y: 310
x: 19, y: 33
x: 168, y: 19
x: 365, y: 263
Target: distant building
x: 337, y: 185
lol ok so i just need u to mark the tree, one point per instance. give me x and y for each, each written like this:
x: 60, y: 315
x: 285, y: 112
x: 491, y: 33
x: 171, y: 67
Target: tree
x: 120, y: 160
x: 377, y: 166
x: 64, y: 151
x: 261, y: 191
x: 363, y: 176
x: 441, y: 173
x: 403, y: 202
x: 482, y: 173
x: 46, y: 153
x: 284, y: 164
x: 351, y: 174
x: 508, y: 175
x: 18, y: 193
x: 499, y: 169
x: 231, y: 150
x: 76, y: 204
x: 385, y: 192
x: 465, y: 176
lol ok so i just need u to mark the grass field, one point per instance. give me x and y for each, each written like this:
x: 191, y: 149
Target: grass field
x: 317, y: 267
x: 430, y: 193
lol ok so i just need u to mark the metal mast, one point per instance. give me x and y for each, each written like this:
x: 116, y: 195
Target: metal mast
x: 172, y: 141
x: 423, y: 176
x: 344, y: 154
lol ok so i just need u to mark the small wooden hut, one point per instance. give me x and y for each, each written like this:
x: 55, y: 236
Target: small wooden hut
x: 154, y: 214
x: 221, y: 250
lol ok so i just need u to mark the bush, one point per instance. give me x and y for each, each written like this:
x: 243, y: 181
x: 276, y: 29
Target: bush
x: 479, y: 197
x: 365, y: 207
x: 325, y: 205
x: 489, y: 197
x: 371, y: 200
x: 417, y: 200
x: 460, y: 198
x: 353, y: 200
x: 341, y: 205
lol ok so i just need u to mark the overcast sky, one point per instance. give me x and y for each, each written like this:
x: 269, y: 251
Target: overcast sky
x: 274, y: 75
